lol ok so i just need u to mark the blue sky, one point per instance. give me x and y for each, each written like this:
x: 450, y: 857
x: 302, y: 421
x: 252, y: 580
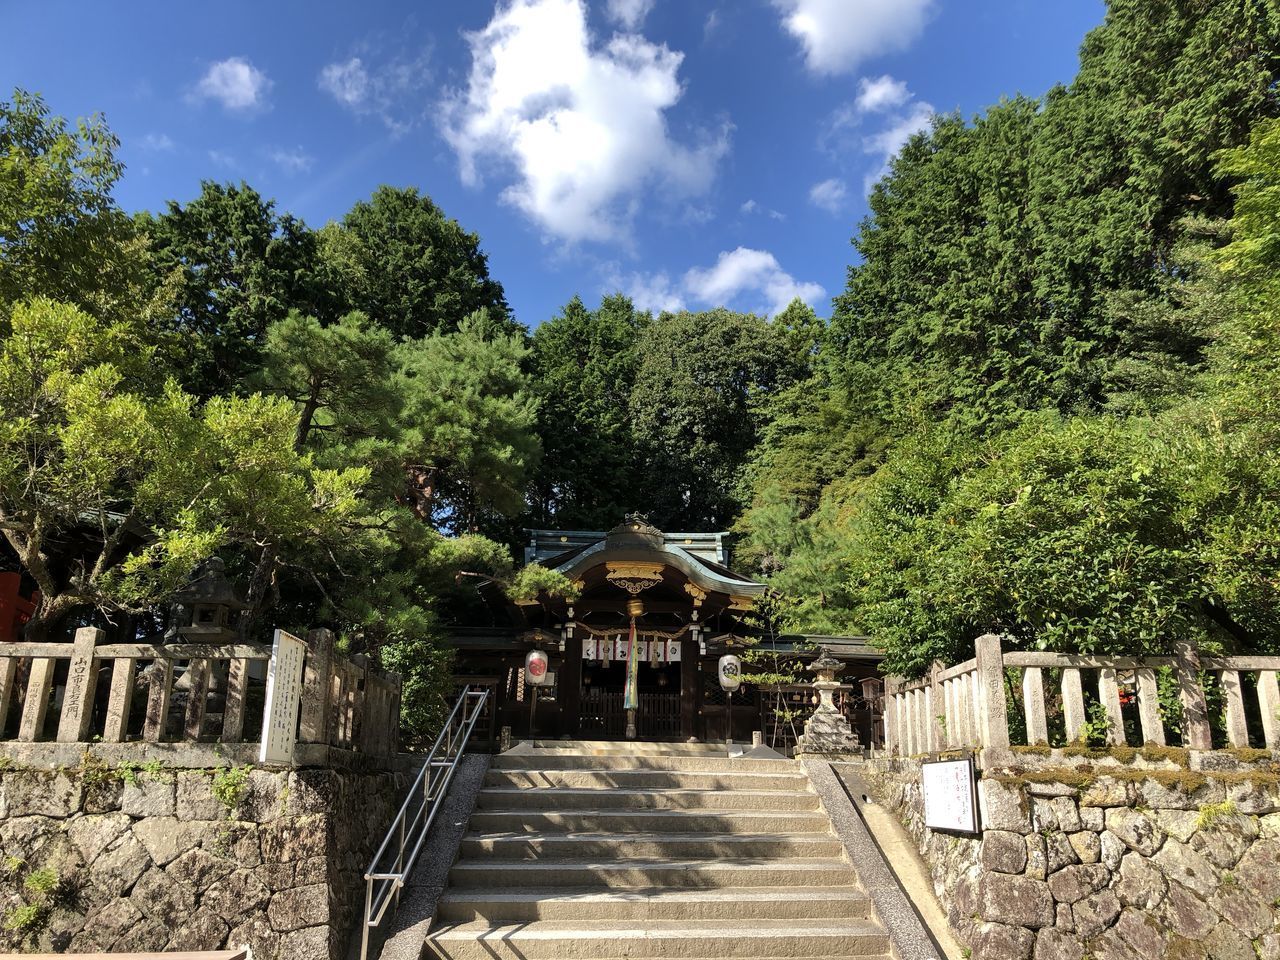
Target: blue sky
x: 690, y: 153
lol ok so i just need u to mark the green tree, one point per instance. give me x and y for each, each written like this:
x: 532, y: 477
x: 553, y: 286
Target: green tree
x: 694, y: 410
x: 467, y: 440
x: 242, y: 267
x: 583, y: 366
x: 339, y: 376
x: 61, y: 234
x: 410, y: 268
x: 114, y: 483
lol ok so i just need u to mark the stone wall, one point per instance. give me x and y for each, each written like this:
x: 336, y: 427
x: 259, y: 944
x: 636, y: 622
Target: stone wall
x: 1150, y: 856
x: 148, y: 856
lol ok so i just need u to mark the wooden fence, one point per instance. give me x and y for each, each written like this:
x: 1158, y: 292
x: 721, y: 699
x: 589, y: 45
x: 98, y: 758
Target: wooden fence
x: 966, y: 706
x: 89, y: 692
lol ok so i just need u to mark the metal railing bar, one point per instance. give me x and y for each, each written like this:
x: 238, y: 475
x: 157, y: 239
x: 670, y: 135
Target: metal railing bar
x: 412, y: 823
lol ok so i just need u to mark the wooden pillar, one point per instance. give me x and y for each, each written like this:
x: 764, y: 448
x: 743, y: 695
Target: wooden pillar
x: 569, y: 683
x: 690, y: 690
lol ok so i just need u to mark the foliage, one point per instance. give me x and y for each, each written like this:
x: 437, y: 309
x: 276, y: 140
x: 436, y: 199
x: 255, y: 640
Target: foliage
x: 230, y: 784
x: 241, y: 267
x: 467, y: 431
x: 533, y: 581
x: 693, y: 410
x: 414, y: 271
x: 583, y: 367
x: 61, y: 234
x: 1050, y: 399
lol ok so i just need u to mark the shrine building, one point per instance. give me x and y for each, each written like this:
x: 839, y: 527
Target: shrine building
x: 678, y: 596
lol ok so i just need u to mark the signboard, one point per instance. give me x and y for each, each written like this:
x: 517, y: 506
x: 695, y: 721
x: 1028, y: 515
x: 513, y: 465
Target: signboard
x: 653, y: 652
x: 284, y: 696
x: 950, y: 795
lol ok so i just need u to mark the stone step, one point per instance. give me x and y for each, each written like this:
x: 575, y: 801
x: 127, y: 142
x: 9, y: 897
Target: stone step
x: 743, y: 904
x: 667, y: 874
x: 558, y: 798
x: 547, y: 940
x: 624, y: 748
x: 647, y: 846
x: 553, y: 760
x: 791, y: 780
x: 616, y: 821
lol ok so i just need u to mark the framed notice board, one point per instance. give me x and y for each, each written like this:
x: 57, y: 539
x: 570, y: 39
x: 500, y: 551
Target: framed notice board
x: 950, y: 795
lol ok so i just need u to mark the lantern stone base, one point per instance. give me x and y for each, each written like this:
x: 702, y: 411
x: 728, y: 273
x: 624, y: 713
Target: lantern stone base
x: 828, y: 732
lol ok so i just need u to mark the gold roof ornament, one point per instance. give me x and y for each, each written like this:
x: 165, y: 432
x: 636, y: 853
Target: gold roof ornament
x: 634, y: 577
x: 695, y: 591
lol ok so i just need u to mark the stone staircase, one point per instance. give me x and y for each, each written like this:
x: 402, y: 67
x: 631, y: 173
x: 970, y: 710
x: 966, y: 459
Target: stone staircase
x: 595, y: 851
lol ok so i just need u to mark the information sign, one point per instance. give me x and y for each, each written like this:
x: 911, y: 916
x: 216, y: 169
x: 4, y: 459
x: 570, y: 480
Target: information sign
x: 950, y: 795
x: 284, y: 696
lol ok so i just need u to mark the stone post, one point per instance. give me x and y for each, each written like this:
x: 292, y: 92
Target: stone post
x: 316, y: 686
x: 991, y: 713
x: 77, y: 700
x: 1196, y: 734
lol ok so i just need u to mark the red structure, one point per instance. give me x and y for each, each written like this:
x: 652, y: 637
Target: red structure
x: 15, y: 609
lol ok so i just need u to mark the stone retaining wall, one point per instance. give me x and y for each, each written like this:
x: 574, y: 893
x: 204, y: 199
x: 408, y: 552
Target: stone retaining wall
x: 1107, y: 860
x: 147, y: 856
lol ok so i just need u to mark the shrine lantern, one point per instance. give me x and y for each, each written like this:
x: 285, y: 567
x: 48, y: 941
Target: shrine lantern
x: 535, y: 668
x: 730, y: 672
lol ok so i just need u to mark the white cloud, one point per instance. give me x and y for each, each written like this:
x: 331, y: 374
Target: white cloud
x: 751, y: 273
x: 878, y: 121
x: 582, y: 128
x: 292, y: 161
x: 386, y: 89
x: 751, y: 206
x: 628, y: 13
x: 157, y: 142
x: 652, y: 291
x: 742, y: 279
x: 221, y: 159
x: 830, y: 194
x: 235, y: 83
x: 347, y: 82
x: 887, y: 142
x: 880, y: 94
x: 837, y: 35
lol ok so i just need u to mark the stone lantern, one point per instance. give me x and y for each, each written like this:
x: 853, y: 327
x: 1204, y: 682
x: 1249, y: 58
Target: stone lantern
x: 207, y: 610
x: 827, y: 731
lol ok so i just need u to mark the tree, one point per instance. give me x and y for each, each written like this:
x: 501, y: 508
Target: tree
x: 337, y: 375
x: 583, y: 365
x: 242, y: 267
x: 114, y: 483
x: 61, y: 234
x: 467, y: 437
x: 409, y: 268
x: 693, y: 410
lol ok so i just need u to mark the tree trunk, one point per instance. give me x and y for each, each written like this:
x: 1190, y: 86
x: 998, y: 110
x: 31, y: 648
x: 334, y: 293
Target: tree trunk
x: 259, y: 587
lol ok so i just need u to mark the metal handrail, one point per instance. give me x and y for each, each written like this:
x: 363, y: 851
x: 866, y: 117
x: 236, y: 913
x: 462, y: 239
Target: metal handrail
x: 408, y: 831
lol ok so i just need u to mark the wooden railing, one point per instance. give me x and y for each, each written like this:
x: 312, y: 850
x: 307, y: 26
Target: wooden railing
x: 87, y: 692
x: 966, y: 706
